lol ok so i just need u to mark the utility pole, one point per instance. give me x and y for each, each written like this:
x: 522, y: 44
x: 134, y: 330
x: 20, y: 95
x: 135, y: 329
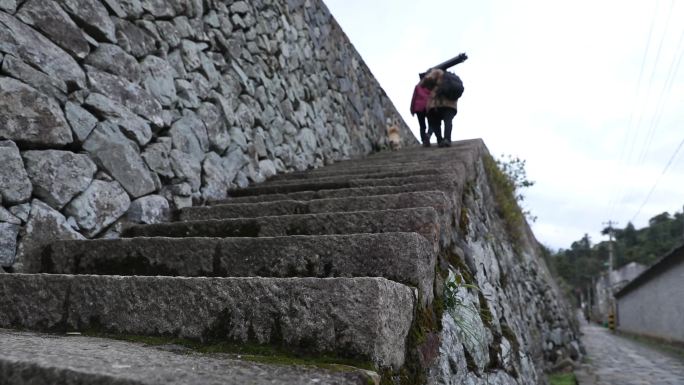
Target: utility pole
x: 611, y: 291
x: 610, y: 248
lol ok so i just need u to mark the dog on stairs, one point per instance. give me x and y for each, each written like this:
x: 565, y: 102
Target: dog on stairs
x: 393, y: 136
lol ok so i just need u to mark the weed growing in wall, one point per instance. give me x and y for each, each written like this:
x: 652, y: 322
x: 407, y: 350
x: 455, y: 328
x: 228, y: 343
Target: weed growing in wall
x: 507, y: 178
x: 464, y: 312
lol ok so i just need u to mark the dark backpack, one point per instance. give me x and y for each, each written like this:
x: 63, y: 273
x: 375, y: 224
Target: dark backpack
x: 451, y: 87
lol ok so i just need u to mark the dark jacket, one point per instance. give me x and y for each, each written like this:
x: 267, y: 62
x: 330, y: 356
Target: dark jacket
x: 432, y: 81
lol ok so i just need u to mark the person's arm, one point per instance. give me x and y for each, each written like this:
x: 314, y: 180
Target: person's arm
x: 413, y: 99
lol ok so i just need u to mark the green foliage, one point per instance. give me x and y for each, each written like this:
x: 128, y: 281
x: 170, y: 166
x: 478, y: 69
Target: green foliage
x: 508, y: 178
x: 646, y: 245
x: 514, y: 169
x: 584, y: 261
x: 468, y: 317
x: 562, y: 379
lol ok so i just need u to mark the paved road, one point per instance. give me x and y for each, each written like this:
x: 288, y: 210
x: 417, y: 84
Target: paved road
x: 617, y: 360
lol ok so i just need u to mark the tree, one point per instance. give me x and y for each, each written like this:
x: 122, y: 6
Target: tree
x: 660, y: 218
x: 514, y: 170
x: 584, y: 260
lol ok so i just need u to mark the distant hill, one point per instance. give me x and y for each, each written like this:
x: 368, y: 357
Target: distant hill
x: 584, y: 261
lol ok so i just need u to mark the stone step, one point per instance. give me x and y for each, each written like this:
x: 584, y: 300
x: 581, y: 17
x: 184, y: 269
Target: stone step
x: 420, y: 152
x: 339, y: 184
x: 409, y: 156
x: 368, y: 175
x: 435, y: 199
x: 422, y: 220
x: 30, y: 358
x: 403, y: 257
x: 444, y: 186
x: 365, y: 319
x: 377, y: 163
x: 374, y: 173
x: 398, y: 165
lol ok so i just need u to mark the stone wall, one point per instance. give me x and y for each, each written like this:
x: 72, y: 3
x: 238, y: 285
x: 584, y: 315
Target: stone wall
x: 118, y: 111
x: 510, y: 323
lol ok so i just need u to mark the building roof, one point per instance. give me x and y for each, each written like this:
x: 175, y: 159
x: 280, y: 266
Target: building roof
x: 674, y: 257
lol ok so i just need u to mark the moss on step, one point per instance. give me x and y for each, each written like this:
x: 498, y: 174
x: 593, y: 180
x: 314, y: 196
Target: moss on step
x: 562, y: 379
x: 266, y: 354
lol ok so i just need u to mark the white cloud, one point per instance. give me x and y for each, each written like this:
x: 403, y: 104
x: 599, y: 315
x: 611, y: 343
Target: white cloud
x: 555, y: 83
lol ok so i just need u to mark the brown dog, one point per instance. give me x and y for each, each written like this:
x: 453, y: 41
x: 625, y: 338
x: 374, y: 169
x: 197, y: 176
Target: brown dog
x: 393, y: 136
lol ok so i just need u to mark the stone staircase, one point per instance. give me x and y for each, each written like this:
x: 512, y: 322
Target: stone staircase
x: 333, y: 267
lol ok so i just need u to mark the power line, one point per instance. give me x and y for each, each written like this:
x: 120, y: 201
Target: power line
x: 658, y: 180
x: 655, y: 67
x: 634, y: 105
x: 667, y: 87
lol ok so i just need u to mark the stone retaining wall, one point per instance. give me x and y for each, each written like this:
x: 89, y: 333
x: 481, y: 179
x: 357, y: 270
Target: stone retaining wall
x: 115, y: 111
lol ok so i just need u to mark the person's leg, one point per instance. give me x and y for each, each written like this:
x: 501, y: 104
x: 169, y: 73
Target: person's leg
x: 434, y: 120
x: 424, y: 132
x: 448, y: 115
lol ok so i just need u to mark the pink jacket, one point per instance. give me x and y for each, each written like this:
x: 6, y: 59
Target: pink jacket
x: 420, y: 99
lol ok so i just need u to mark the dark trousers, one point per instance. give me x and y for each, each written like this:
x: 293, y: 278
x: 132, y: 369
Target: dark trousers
x: 424, y: 133
x: 435, y: 117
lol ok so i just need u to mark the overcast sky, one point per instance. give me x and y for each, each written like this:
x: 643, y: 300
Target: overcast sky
x: 588, y: 92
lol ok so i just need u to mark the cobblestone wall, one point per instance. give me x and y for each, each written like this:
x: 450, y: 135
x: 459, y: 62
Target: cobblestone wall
x: 516, y: 325
x: 116, y: 111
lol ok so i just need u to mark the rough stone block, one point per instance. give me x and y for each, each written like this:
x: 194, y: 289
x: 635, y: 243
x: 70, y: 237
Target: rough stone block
x: 128, y: 94
x: 423, y: 220
x: 93, y: 15
x: 57, y: 176
x: 111, y: 58
x: 403, y: 257
x: 158, y: 8
x: 35, y: 49
x: 149, y: 209
x: 360, y: 318
x: 8, y: 5
x: 134, y: 39
x: 27, y: 116
x: 435, y: 199
x: 100, y: 205
x: 33, y: 301
x: 44, y: 225
x: 339, y: 193
x: 8, y: 243
x: 159, y: 80
x: 275, y: 188
x: 15, y: 185
x: 50, y: 19
x: 49, y: 86
x: 131, y: 124
x: 156, y: 156
x: 119, y: 156
x: 7, y: 217
x: 82, y: 122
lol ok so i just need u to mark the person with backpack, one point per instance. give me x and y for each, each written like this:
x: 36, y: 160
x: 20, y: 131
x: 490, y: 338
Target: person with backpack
x: 419, y: 101
x: 445, y: 90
